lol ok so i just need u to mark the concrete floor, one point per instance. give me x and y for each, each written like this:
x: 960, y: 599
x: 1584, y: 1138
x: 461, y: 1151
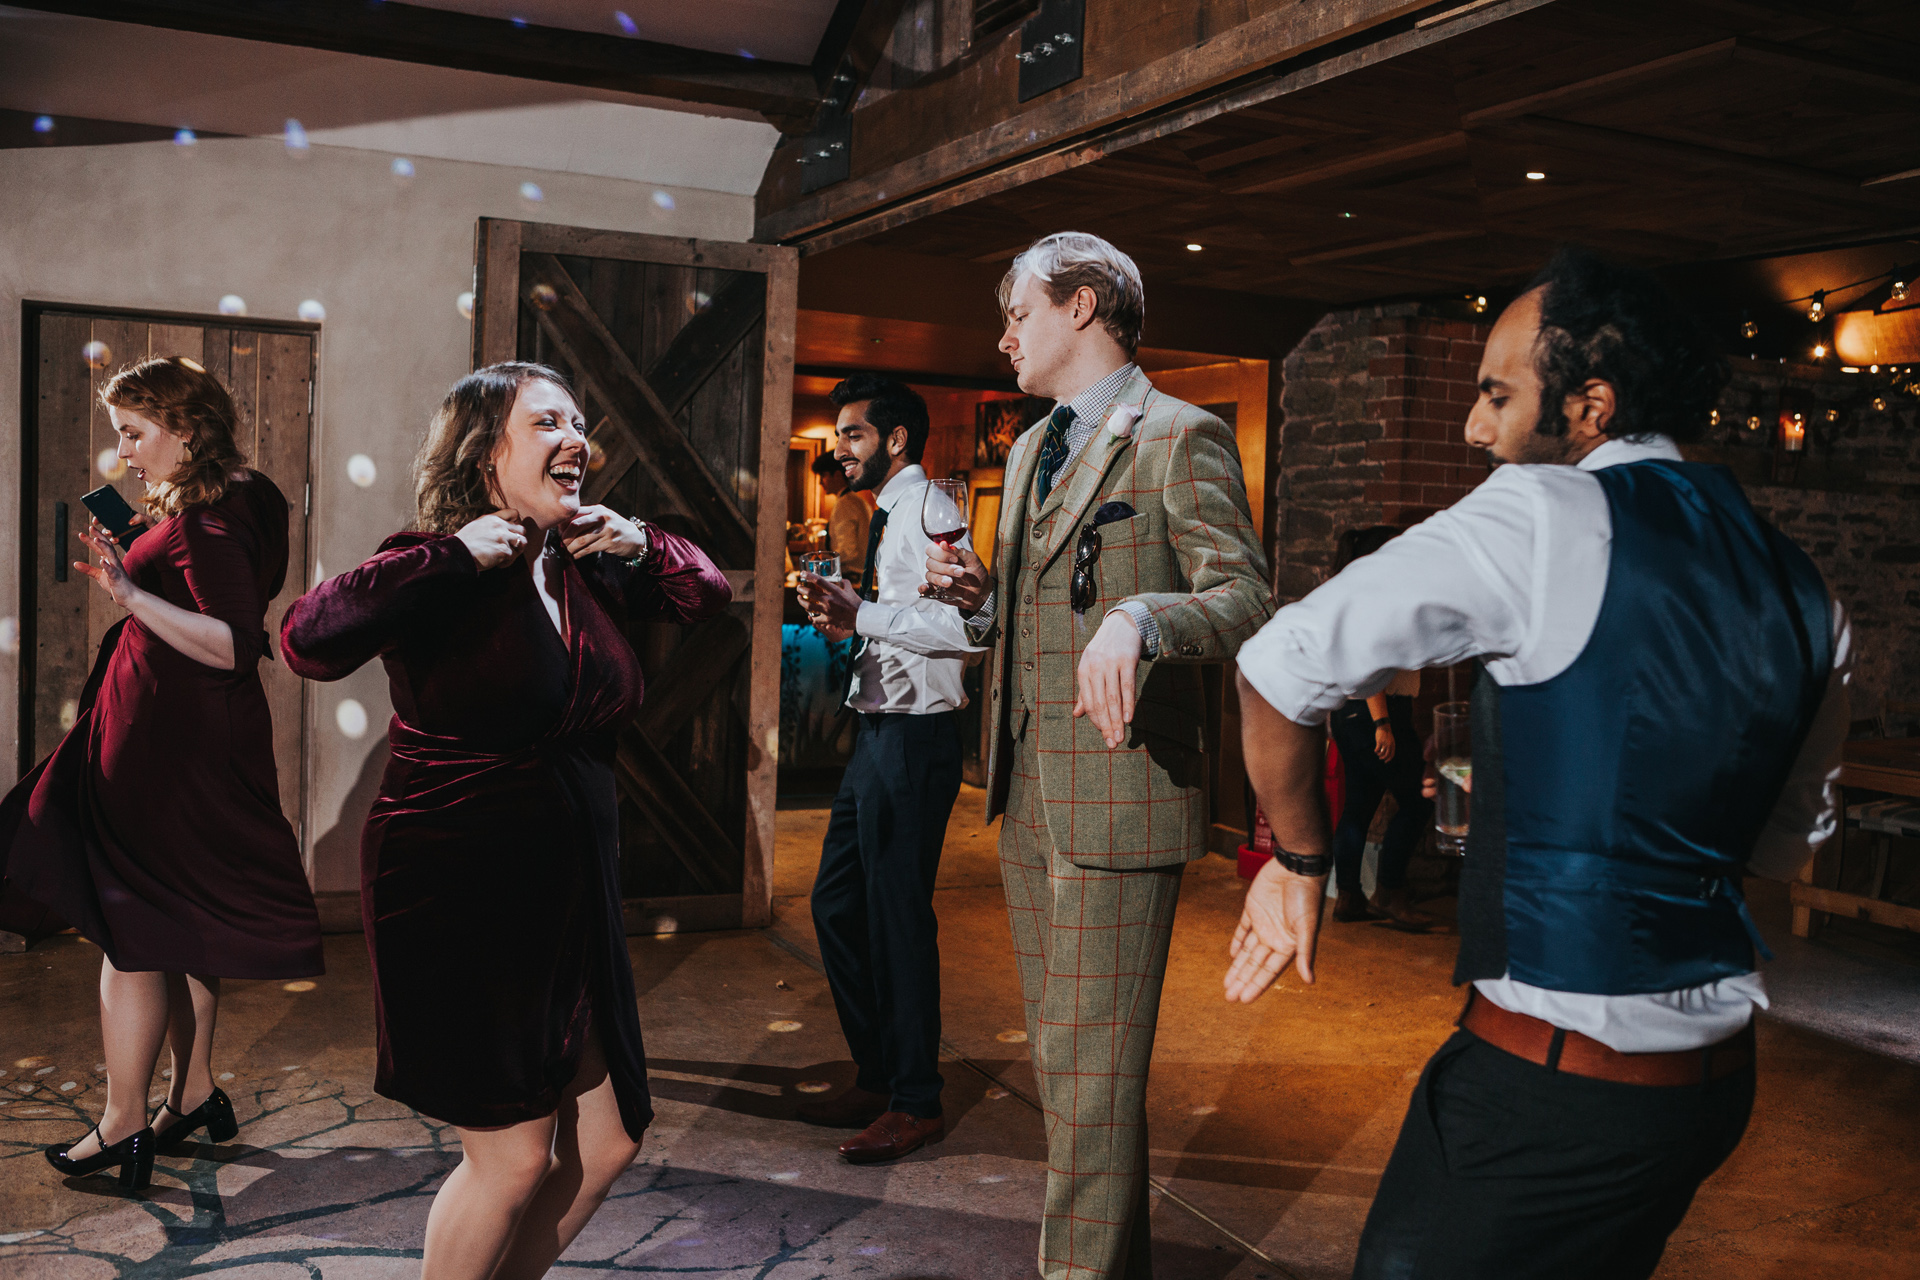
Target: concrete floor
x: 1270, y: 1123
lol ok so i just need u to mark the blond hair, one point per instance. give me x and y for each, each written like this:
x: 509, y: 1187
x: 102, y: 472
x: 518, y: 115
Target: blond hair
x: 1068, y: 261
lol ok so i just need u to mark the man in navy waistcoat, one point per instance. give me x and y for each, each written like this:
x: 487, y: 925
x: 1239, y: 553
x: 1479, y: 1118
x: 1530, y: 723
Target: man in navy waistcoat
x: 1660, y: 714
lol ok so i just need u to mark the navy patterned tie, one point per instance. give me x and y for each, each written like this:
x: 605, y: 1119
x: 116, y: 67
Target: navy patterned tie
x: 1053, y: 446
x: 870, y: 574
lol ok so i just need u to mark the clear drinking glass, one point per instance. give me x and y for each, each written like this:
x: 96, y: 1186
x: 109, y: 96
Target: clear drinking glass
x: 822, y: 564
x: 1453, y: 765
x: 943, y: 515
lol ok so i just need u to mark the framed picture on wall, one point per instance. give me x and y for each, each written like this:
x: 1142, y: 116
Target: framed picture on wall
x: 998, y: 423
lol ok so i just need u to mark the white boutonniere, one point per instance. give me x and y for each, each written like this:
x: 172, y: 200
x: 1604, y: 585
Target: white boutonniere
x: 1120, y: 421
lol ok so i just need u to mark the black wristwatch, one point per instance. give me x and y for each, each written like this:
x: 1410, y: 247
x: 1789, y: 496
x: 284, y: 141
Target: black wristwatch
x: 1381, y: 721
x: 1303, y: 864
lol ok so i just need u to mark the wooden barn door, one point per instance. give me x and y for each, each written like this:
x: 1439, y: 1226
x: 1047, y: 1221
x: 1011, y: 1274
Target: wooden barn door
x: 682, y: 354
x: 69, y: 450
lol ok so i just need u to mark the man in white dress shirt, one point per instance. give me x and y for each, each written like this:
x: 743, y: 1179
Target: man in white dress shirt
x: 873, y: 896
x: 1661, y: 711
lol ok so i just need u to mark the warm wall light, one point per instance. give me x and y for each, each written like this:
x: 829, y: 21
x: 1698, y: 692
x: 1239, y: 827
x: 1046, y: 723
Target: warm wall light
x: 1819, y: 351
x: 1793, y: 433
x: 1534, y: 175
x: 1193, y: 248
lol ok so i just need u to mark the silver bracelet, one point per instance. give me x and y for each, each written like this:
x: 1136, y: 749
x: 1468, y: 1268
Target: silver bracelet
x: 646, y: 544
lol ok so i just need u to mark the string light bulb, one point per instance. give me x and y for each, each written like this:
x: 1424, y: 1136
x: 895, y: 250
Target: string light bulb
x: 1479, y: 303
x: 1713, y: 417
x: 1899, y: 290
x: 1879, y: 404
x: 1749, y: 330
x: 1819, y: 351
x: 1818, y: 307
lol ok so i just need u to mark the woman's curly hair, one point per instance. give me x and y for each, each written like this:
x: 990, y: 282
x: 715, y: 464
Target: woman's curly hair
x: 1602, y: 319
x: 450, y: 479
x: 188, y: 402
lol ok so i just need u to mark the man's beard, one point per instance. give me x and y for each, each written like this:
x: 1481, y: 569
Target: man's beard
x: 872, y: 473
x: 1539, y: 450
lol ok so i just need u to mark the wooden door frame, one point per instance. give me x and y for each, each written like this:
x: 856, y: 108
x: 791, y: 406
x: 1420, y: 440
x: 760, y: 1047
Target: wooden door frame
x: 31, y: 311
x: 498, y: 244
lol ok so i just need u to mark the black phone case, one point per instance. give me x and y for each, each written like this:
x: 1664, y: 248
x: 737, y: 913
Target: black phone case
x: 113, y: 511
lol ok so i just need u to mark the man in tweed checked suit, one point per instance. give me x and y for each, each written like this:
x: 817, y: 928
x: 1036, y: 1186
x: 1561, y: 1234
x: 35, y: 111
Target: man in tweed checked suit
x: 1126, y: 557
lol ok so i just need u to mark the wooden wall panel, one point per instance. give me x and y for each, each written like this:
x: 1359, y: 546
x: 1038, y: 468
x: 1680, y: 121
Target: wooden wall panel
x: 60, y: 652
x: 285, y: 431
x: 130, y: 341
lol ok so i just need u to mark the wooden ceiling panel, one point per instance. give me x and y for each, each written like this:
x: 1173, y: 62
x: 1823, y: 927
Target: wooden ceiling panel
x: 1669, y: 130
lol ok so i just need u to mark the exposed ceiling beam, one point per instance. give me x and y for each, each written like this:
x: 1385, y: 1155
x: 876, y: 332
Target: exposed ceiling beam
x: 1594, y: 86
x: 850, y: 50
x: 1352, y: 164
x: 1386, y: 246
x: 1764, y: 53
x: 1693, y: 155
x: 438, y: 37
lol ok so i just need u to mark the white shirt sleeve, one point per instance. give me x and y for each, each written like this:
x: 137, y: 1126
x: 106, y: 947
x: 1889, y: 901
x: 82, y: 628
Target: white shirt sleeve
x: 926, y: 627
x: 1807, y: 813
x: 1458, y: 585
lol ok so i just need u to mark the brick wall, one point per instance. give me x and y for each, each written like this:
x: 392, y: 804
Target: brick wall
x: 1374, y: 402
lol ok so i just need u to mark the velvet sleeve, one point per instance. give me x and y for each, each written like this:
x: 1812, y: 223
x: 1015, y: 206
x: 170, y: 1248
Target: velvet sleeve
x: 349, y: 620
x: 675, y: 583
x: 218, y: 565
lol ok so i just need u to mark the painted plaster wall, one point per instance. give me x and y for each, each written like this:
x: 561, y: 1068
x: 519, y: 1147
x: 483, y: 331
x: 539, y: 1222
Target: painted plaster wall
x: 161, y: 227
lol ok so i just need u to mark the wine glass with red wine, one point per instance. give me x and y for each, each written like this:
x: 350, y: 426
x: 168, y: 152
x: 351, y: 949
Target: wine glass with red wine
x: 943, y: 515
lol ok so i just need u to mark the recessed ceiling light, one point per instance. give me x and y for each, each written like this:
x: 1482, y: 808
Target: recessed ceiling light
x: 1193, y: 248
x: 1534, y: 175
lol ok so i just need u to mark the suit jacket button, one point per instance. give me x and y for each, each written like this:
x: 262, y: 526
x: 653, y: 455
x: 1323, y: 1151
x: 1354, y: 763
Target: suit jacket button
x: 1038, y: 533
x: 1027, y: 665
x: 1026, y: 599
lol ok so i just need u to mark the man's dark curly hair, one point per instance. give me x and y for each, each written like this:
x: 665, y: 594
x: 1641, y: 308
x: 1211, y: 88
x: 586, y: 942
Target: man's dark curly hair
x: 1602, y: 319
x: 895, y: 404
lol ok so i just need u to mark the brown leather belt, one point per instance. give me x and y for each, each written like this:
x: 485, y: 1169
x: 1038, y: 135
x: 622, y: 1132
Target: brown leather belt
x: 1546, y: 1045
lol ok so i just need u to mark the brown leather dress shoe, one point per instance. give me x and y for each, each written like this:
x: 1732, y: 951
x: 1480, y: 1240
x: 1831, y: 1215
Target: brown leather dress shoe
x: 891, y: 1136
x: 1397, y: 907
x: 1351, y: 905
x: 855, y: 1109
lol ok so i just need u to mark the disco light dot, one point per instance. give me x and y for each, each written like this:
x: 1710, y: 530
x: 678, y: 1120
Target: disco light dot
x: 625, y: 23
x: 351, y: 717
x: 813, y: 1086
x: 1012, y: 1037
x: 531, y: 191
x: 464, y: 305
x: 233, y: 304
x: 783, y: 1024
x: 110, y: 464
x: 296, y: 138
x: 544, y: 297
x: 9, y: 636
x: 518, y: 22
x: 69, y: 712
x: 43, y: 124
x: 745, y: 53
x: 312, y: 312
x: 301, y: 985
x: 361, y: 471
x: 402, y: 168
x: 663, y: 199
x: 97, y: 354
x: 184, y: 138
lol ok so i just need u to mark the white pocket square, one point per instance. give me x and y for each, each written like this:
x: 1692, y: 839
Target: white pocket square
x: 1120, y: 421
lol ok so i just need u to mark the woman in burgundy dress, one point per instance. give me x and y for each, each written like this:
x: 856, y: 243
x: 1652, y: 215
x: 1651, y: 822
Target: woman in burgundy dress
x: 490, y: 864
x: 155, y: 826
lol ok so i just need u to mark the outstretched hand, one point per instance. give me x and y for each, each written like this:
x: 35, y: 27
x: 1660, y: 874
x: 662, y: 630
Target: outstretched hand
x: 110, y: 575
x: 1280, y: 924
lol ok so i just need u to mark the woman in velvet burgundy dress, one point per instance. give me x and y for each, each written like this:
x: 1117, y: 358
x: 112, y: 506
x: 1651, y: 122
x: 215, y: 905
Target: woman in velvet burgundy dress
x: 155, y: 826
x: 489, y: 866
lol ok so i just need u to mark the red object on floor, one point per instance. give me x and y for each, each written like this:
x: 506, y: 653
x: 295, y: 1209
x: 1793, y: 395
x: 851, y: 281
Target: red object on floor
x: 1256, y: 855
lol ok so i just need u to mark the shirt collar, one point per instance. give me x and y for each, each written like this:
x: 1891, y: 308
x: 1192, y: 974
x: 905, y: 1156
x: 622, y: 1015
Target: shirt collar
x: 1090, y: 405
x: 895, y: 489
x: 1624, y: 449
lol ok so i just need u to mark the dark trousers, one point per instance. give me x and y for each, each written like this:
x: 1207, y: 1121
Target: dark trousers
x: 1504, y: 1168
x: 1368, y: 778
x: 873, y: 901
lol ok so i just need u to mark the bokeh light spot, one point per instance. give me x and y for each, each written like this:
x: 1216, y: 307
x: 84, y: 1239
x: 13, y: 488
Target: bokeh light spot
x: 312, y: 312
x: 402, y: 168
x: 184, y: 138
x: 813, y: 1086
x: 351, y: 718
x: 233, y: 304
x: 1012, y: 1037
x: 296, y: 139
x: 530, y: 191
x: 544, y: 297
x: 69, y: 713
x: 361, y: 471
x: 43, y: 124
x: 302, y: 985
x: 625, y: 23
x: 97, y: 354
x: 464, y: 305
x: 9, y: 636
x: 783, y: 1024
x: 664, y: 199
x: 109, y: 463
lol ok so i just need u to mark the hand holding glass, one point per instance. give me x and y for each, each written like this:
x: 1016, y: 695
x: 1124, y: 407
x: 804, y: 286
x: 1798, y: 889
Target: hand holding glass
x: 943, y: 516
x: 1453, y: 763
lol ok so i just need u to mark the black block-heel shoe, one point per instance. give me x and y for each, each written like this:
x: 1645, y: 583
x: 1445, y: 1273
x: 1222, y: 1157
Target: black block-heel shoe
x: 134, y: 1156
x: 216, y: 1113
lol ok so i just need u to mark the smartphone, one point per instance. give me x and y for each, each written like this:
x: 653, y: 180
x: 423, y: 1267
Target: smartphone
x: 113, y: 511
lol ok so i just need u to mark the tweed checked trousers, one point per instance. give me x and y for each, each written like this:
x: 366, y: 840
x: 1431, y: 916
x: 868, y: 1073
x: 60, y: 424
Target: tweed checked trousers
x: 1092, y: 951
